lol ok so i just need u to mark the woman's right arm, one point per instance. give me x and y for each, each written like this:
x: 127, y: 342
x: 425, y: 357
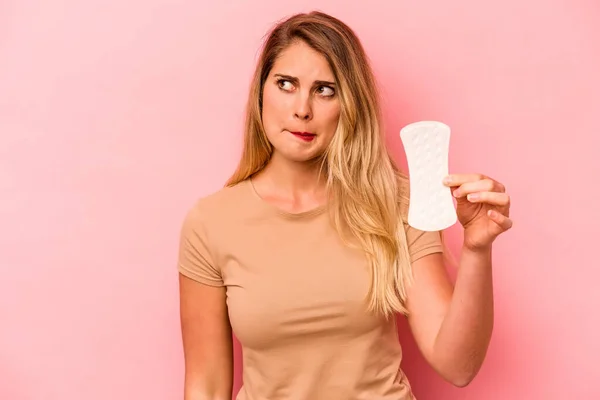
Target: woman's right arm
x: 207, y: 341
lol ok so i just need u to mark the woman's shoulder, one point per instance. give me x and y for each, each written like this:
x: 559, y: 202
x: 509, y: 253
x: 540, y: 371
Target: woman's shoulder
x: 216, y: 205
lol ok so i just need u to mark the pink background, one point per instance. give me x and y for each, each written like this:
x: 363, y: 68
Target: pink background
x: 115, y: 116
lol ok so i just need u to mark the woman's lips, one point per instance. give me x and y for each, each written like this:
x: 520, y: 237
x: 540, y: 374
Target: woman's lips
x: 306, y: 136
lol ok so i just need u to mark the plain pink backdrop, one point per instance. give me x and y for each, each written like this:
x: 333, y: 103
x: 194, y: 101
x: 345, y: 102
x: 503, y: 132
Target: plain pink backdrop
x: 115, y: 116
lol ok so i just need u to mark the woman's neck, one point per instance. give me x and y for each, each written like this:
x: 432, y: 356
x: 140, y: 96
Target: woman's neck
x: 292, y: 180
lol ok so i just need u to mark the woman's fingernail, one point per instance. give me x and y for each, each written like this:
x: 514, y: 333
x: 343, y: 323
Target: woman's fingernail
x: 456, y: 193
x: 492, y: 214
x: 473, y: 196
x: 447, y: 179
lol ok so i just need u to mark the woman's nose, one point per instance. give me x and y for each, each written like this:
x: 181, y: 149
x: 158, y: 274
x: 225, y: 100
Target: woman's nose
x: 303, y: 115
x: 303, y: 109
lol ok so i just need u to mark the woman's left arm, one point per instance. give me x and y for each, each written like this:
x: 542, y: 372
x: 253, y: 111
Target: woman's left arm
x: 453, y: 325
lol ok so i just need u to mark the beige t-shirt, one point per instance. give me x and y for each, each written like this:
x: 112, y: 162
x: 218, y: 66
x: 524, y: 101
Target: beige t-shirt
x: 296, y: 299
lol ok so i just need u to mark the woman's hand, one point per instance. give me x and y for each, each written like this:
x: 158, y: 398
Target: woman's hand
x: 482, y: 208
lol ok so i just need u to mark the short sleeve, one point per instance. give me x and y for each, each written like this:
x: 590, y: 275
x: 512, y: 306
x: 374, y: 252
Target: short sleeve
x: 195, y: 260
x: 422, y: 243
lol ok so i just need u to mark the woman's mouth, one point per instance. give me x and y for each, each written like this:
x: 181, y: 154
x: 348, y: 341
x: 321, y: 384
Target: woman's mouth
x: 306, y: 136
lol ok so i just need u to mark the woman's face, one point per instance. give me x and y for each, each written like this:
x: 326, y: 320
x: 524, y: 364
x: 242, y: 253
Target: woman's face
x: 301, y: 107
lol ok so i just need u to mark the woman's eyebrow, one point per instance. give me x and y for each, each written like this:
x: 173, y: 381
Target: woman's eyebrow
x: 295, y: 80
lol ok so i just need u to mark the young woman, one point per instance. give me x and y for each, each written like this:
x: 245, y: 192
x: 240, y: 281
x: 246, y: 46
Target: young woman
x: 305, y: 254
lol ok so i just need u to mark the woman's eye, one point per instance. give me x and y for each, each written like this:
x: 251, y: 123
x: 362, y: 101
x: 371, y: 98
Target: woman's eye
x: 285, y: 85
x: 325, y: 91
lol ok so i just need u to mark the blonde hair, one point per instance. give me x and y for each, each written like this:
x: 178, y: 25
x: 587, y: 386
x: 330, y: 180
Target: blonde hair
x: 369, y: 194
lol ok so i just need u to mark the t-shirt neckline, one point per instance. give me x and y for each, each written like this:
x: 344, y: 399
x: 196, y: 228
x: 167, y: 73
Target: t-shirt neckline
x: 269, y: 206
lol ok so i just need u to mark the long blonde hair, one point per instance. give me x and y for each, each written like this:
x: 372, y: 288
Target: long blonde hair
x: 368, y: 191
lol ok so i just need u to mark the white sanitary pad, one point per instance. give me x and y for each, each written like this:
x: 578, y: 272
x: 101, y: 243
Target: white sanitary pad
x: 426, y: 144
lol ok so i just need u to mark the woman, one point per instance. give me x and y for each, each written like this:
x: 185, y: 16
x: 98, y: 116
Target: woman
x: 306, y: 255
